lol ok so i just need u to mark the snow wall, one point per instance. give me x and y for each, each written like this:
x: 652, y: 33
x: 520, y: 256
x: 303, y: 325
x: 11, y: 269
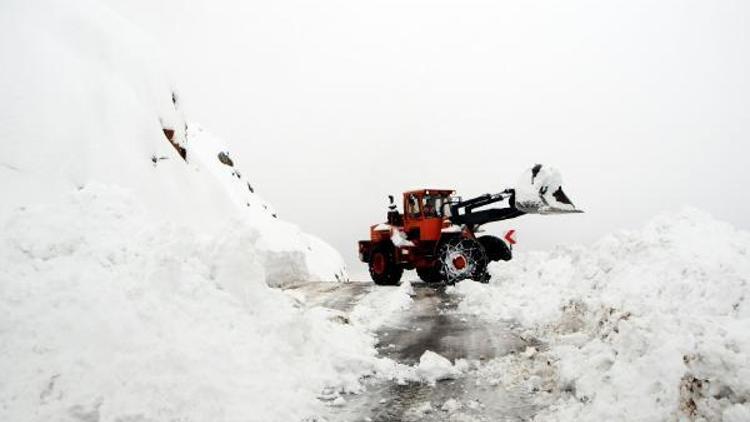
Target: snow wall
x: 86, y: 98
x: 134, y: 282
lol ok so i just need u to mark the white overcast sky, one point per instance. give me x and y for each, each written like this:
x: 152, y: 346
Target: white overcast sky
x: 643, y: 105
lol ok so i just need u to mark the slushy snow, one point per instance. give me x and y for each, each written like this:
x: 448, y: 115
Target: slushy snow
x: 451, y: 405
x: 382, y: 305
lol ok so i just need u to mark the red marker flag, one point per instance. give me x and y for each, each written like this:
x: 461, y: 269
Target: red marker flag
x: 509, y: 237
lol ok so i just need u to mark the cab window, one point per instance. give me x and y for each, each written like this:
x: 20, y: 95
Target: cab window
x: 414, y: 211
x: 431, y: 208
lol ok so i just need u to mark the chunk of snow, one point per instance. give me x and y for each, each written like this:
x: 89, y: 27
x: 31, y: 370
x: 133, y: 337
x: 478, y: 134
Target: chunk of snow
x: 399, y: 239
x: 451, y: 229
x: 433, y: 367
x: 451, y: 405
x: 419, y: 410
x: 473, y: 404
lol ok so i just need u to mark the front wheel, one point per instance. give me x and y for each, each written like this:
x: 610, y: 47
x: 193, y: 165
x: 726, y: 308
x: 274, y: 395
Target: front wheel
x: 383, y: 268
x: 460, y: 259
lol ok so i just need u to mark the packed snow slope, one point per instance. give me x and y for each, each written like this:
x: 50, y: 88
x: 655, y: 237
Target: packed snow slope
x: 109, y: 314
x: 85, y: 97
x: 644, y: 325
x: 135, y: 255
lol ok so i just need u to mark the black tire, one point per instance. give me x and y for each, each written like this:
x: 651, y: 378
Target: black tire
x: 496, y: 248
x: 461, y: 259
x: 383, y: 268
x: 483, y: 278
x: 429, y: 275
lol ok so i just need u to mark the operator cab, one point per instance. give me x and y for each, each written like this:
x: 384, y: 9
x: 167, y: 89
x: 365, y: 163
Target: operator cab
x: 427, y: 203
x: 425, y: 211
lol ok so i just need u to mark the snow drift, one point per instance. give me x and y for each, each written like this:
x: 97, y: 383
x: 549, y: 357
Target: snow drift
x: 107, y: 313
x: 643, y: 325
x: 135, y: 254
x: 85, y: 98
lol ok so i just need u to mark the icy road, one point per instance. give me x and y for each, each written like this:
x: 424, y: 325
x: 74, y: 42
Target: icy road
x: 430, y: 323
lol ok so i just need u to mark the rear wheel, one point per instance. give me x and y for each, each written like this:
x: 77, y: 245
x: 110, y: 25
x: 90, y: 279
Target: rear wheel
x: 383, y: 268
x: 459, y: 259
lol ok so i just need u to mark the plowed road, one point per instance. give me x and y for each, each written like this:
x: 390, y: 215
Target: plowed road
x: 431, y: 323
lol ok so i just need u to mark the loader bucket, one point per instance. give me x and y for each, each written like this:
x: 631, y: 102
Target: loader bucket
x: 539, y: 191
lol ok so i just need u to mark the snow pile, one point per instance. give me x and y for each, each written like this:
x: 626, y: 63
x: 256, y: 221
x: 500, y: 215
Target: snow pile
x: 290, y: 255
x: 644, y: 325
x: 107, y: 313
x: 135, y: 255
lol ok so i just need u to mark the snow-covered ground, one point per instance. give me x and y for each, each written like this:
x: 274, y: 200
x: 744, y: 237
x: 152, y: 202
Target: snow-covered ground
x: 652, y: 324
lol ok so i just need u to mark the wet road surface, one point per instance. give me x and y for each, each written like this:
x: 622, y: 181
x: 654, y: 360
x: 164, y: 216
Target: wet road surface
x: 431, y: 323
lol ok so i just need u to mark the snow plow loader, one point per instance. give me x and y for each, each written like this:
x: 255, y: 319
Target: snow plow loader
x: 436, y: 233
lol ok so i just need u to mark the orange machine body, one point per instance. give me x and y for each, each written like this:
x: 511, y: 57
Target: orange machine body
x: 417, y: 231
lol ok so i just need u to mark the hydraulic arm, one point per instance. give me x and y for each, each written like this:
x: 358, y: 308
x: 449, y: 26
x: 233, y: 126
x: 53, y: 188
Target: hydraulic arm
x: 538, y: 191
x: 463, y: 212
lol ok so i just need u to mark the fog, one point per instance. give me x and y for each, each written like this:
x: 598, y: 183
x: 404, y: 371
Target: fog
x: 331, y: 106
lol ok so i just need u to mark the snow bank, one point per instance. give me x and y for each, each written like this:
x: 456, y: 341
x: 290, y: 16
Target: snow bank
x: 290, y: 255
x: 644, y: 325
x: 108, y: 313
x: 135, y: 254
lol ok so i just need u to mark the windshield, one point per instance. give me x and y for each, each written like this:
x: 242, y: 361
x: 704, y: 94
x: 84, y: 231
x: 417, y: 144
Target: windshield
x: 434, y: 205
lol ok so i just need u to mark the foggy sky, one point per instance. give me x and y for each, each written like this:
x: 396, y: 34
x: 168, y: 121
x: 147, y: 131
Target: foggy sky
x: 330, y: 106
